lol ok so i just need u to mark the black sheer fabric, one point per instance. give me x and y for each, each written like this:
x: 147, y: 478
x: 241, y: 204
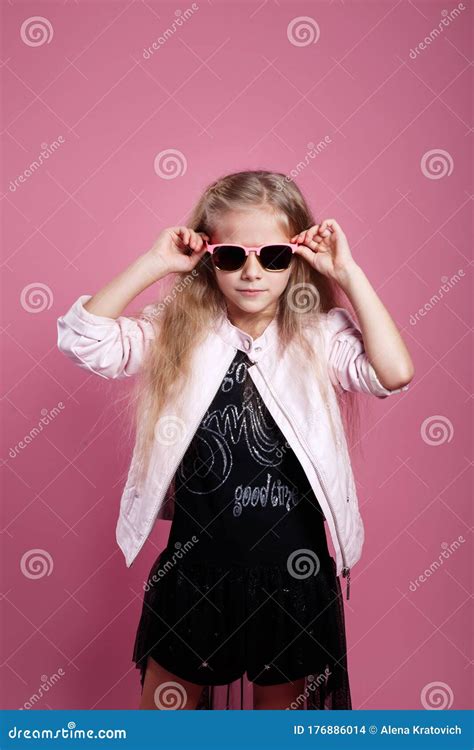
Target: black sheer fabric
x: 245, y: 591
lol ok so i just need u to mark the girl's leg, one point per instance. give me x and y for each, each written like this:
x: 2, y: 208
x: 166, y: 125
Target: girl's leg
x: 277, y: 696
x: 162, y: 690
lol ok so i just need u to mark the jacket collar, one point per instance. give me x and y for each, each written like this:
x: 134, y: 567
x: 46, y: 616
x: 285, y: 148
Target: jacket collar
x: 234, y: 336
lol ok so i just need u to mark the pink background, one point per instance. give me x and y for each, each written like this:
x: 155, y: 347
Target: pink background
x: 232, y: 90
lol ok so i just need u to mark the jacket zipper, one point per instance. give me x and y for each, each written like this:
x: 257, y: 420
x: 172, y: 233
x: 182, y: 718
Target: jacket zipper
x: 170, y: 474
x: 346, y: 571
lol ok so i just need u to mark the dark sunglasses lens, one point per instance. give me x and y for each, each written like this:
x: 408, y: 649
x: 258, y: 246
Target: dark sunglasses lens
x: 228, y: 257
x: 276, y: 257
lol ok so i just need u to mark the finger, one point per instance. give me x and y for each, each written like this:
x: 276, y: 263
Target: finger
x: 183, y: 235
x: 328, y: 226
x: 316, y: 245
x: 312, y: 237
x: 200, y: 241
x: 305, y: 252
x: 181, y: 230
x: 306, y: 234
x: 185, y: 232
x: 194, y: 239
x: 202, y: 237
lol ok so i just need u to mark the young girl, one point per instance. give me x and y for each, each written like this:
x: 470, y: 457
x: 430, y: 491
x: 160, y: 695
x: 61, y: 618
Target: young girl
x: 242, y: 372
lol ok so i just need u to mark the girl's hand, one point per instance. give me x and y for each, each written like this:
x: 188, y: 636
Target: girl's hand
x: 325, y: 247
x: 169, y: 252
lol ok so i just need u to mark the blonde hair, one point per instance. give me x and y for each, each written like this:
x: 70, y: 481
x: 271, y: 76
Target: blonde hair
x: 191, y: 308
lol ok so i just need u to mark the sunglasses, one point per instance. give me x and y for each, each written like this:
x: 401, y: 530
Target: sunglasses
x: 276, y: 257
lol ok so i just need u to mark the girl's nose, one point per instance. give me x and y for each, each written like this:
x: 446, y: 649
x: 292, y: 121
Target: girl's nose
x: 252, y: 266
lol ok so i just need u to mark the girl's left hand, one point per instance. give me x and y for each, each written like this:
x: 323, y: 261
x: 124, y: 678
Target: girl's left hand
x: 325, y: 247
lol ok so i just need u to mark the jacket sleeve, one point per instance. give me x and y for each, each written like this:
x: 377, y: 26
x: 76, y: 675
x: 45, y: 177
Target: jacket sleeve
x: 348, y: 363
x: 109, y: 347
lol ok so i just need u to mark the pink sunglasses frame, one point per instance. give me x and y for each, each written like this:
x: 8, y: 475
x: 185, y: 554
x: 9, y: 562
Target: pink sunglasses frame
x: 257, y: 250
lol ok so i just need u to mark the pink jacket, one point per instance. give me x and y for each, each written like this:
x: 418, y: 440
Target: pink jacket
x: 114, y: 348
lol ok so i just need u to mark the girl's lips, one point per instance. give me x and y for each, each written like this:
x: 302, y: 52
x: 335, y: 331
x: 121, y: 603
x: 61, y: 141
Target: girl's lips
x: 250, y: 292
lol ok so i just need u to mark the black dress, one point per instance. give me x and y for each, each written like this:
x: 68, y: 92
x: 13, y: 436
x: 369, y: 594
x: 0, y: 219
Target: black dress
x: 246, y: 583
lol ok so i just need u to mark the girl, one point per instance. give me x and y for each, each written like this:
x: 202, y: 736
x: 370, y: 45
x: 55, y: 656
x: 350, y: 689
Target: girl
x: 244, y: 372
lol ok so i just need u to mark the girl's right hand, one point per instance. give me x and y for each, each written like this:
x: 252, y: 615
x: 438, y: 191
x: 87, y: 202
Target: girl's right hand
x: 168, y: 253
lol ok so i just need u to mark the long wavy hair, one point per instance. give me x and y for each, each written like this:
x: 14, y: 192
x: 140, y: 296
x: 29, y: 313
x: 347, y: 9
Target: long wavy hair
x: 184, y: 314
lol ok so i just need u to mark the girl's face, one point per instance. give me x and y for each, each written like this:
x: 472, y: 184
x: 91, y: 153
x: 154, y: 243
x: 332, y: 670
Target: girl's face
x: 251, y: 228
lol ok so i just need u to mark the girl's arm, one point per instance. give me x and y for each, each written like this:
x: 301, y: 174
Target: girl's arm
x: 114, y: 297
x: 383, y: 343
x: 326, y: 248
x: 96, y: 336
x: 167, y: 255
x: 93, y: 334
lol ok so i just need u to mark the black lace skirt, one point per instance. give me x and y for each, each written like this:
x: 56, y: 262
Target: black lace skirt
x: 213, y: 625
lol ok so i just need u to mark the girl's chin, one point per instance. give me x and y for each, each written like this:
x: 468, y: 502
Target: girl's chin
x: 255, y: 305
